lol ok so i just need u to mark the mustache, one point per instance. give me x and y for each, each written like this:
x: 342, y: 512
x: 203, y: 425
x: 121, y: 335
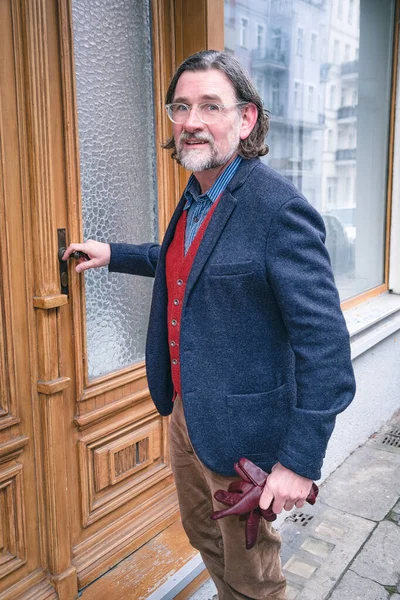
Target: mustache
x: 201, y: 137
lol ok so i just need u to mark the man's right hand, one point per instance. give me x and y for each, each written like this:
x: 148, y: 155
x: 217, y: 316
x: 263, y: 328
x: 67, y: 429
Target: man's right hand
x: 99, y: 255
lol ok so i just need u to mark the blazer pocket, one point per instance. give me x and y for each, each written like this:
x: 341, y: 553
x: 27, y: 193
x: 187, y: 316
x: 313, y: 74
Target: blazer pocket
x: 219, y: 270
x: 257, y: 421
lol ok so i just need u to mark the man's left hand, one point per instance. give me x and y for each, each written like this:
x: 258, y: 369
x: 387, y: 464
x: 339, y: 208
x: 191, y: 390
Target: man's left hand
x: 285, y: 489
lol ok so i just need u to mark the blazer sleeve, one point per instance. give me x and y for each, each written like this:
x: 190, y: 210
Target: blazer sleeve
x: 134, y: 259
x: 301, y: 277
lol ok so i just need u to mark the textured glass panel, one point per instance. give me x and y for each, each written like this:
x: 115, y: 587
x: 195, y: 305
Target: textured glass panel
x: 117, y: 152
x: 327, y: 88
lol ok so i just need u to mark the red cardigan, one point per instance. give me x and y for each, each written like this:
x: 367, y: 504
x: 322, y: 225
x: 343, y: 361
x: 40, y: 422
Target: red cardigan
x: 178, y: 266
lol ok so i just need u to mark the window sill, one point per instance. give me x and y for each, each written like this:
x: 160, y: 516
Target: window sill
x: 373, y: 321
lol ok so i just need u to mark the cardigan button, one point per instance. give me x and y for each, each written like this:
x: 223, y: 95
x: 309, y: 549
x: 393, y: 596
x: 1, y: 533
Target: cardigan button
x: 174, y: 322
x: 176, y: 301
x: 173, y: 344
x: 174, y: 362
x: 179, y: 282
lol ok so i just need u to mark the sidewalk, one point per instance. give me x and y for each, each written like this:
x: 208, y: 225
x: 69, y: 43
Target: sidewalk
x: 347, y: 547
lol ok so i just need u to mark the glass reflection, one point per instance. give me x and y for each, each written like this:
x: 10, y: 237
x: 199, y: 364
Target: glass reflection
x: 310, y: 61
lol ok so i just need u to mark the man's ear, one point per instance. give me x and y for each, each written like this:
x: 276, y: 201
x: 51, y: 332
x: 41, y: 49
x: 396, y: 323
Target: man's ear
x: 249, y: 119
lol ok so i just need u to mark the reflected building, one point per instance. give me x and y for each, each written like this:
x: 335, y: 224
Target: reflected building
x: 273, y: 40
x: 310, y: 65
x: 303, y: 58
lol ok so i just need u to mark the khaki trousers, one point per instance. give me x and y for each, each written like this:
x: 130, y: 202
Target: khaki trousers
x: 238, y: 573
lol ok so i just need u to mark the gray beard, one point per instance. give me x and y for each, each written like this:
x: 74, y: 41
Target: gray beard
x: 197, y: 164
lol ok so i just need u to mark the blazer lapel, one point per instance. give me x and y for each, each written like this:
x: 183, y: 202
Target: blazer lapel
x: 223, y: 212
x: 169, y: 234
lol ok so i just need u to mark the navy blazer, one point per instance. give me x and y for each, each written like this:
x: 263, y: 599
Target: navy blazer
x: 264, y: 348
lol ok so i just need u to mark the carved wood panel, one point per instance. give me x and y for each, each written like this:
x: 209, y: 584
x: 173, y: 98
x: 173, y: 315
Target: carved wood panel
x: 8, y: 404
x: 13, y: 550
x: 120, y: 461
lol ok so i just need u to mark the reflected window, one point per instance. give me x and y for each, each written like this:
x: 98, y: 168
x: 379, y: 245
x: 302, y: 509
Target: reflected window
x: 313, y: 47
x: 244, y: 32
x: 260, y: 35
x: 297, y: 94
x: 300, y: 41
x: 336, y: 51
x: 331, y: 146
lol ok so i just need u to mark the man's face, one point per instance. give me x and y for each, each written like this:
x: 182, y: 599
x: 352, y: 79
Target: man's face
x: 200, y: 146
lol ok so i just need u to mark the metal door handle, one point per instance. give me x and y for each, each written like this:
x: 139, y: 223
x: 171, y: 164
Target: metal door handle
x: 76, y: 254
x: 62, y: 246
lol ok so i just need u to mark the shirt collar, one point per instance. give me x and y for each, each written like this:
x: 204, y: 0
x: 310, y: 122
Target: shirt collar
x: 193, y: 193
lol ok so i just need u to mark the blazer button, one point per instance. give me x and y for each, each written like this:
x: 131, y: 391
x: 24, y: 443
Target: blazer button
x: 174, y: 362
x: 174, y: 322
x: 179, y: 282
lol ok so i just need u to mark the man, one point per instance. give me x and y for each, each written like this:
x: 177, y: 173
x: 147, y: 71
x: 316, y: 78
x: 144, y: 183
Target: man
x: 247, y: 345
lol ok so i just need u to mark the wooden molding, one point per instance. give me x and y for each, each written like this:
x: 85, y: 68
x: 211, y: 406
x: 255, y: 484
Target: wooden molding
x: 66, y: 584
x: 8, y: 404
x: 96, y: 416
x: 116, y: 379
x: 46, y: 280
x: 164, y: 66
x: 215, y: 24
x: 14, y: 552
x: 33, y: 587
x: 73, y: 189
x: 11, y: 449
x: 42, y: 52
x: 394, y: 80
x: 49, y: 302
x: 53, y: 387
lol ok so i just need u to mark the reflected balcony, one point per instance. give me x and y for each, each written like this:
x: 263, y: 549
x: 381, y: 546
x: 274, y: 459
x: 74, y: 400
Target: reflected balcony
x: 346, y: 155
x: 267, y: 58
x: 317, y: 3
x: 349, y: 69
x: 291, y: 164
x: 347, y: 112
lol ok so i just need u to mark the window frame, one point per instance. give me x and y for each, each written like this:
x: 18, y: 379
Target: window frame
x: 300, y: 41
x: 243, y: 31
x: 314, y: 48
x: 260, y: 26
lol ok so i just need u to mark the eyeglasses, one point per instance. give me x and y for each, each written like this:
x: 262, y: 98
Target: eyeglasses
x: 208, y: 113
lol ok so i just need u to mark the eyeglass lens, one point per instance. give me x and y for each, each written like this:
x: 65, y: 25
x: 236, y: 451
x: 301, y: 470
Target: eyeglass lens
x: 207, y: 113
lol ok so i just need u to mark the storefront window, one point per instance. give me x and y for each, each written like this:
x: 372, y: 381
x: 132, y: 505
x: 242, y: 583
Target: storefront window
x: 328, y: 89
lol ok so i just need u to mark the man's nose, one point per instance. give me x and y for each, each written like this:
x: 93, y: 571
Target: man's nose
x: 193, y: 122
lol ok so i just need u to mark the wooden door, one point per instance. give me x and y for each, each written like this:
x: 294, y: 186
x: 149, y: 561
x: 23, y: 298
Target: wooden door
x: 85, y: 477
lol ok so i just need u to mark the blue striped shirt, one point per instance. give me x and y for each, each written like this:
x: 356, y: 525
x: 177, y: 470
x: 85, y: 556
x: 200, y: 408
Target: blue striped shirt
x: 198, y: 204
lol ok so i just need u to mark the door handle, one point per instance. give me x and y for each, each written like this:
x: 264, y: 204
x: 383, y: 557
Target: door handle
x: 63, y: 264
x: 76, y: 254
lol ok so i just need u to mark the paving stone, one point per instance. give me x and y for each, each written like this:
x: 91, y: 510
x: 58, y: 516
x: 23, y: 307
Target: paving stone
x: 354, y: 587
x: 315, y: 556
x: 379, y: 559
x: 367, y: 484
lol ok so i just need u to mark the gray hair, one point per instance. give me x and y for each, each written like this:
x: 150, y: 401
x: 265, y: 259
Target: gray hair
x: 245, y: 91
